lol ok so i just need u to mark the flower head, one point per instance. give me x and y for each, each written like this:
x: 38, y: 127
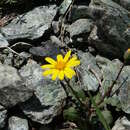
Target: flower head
x: 62, y: 67
x: 127, y: 56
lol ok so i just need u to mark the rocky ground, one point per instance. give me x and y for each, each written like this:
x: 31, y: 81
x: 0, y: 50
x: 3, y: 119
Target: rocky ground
x: 98, y: 31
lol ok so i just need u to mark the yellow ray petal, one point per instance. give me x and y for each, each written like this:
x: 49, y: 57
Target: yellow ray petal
x: 47, y: 66
x: 67, y: 56
x: 73, y: 63
x: 55, y: 74
x: 47, y: 72
x: 69, y: 73
x: 73, y: 58
x: 61, y: 75
x: 59, y: 58
x: 50, y: 60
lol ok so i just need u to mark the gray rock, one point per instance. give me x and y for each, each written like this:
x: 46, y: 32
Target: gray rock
x: 110, y: 70
x: 49, y: 95
x: 3, y: 115
x: 122, y: 124
x: 124, y: 3
x: 31, y: 25
x: 79, y: 12
x: 79, y: 27
x: 9, y: 58
x: 56, y: 41
x: 16, y: 123
x: 88, y: 79
x: 80, y: 30
x: 107, y: 50
x: 113, y: 27
x: 102, y: 61
x: 49, y: 48
x: 83, y: 11
x: 3, y: 41
x: 55, y: 26
x: 12, y: 88
x: 6, y: 57
x: 25, y: 55
x: 124, y: 94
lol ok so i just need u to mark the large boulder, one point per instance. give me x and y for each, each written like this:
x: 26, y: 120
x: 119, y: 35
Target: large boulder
x: 30, y: 25
x: 49, y: 96
x: 12, y: 88
x: 87, y: 77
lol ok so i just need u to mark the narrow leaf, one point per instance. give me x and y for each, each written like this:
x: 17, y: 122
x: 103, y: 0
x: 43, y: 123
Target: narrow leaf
x: 99, y: 113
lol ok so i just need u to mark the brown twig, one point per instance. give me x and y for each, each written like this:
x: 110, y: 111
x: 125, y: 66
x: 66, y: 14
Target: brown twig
x: 107, y: 94
x: 6, y: 19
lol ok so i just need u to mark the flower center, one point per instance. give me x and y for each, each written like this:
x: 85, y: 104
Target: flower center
x: 60, y: 65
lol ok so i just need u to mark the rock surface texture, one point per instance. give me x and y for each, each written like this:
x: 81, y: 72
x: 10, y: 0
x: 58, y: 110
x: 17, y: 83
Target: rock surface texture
x: 122, y: 124
x: 30, y: 25
x: 16, y: 123
x: 88, y: 80
x: 3, y: 116
x: 3, y: 41
x: 110, y: 70
x: 49, y: 95
x: 12, y: 88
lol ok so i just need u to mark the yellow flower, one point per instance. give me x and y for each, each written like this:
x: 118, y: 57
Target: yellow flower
x: 62, y: 67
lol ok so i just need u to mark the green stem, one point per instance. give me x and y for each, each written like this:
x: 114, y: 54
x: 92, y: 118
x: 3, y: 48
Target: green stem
x: 75, y: 94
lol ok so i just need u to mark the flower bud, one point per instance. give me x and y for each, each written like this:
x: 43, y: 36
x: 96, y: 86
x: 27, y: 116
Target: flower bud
x: 127, y: 56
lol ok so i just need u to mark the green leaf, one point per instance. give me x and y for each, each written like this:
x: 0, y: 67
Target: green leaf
x: 113, y: 101
x: 99, y: 113
x: 80, y: 93
x: 108, y: 117
x: 71, y: 114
